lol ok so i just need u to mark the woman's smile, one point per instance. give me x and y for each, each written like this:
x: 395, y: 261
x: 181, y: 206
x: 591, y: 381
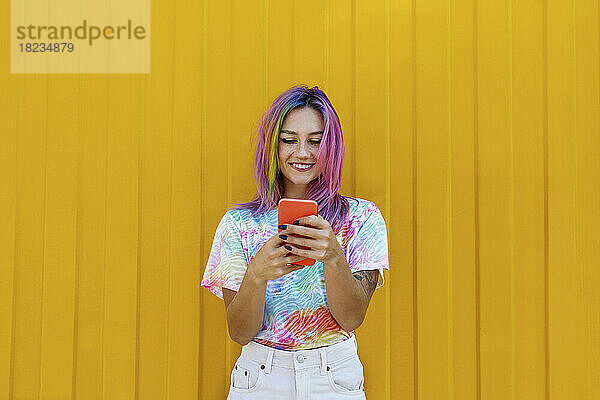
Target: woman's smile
x: 301, y: 167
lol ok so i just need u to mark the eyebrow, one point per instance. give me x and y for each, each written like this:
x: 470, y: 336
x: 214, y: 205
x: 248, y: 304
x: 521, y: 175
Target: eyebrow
x: 295, y: 133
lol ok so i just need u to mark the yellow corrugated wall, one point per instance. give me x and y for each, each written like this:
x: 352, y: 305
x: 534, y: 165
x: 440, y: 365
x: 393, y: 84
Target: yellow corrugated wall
x: 473, y: 125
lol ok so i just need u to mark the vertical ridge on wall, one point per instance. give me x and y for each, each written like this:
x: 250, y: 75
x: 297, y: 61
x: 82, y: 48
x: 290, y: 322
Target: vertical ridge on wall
x: 9, y: 236
x: 545, y: 195
x: 339, y: 75
x: 386, y: 207
x: 186, y: 237
x: 476, y: 199
x: 77, y: 235
x: 44, y: 198
x: 203, y: 235
x: 155, y: 236
x: 309, y: 46
x: 461, y: 351
x: 527, y: 222
x: 228, y: 356
x: 185, y: 214
x: 432, y: 136
x: 9, y: 124
x: 449, y: 208
x: 141, y: 109
x: 511, y: 212
x: 352, y: 139
x: 326, y: 17
x: 293, y: 45
x: 43, y: 151
x: 25, y: 340
x: 266, y: 55
x: 587, y: 147
x: 171, y: 204
x: 563, y: 378
x: 370, y: 144
x: 415, y: 209
x: 495, y: 193
x: 398, y: 211
x: 217, y: 163
x: 280, y: 61
x: 247, y: 75
x: 105, y: 235
x: 138, y: 258
x: 121, y: 202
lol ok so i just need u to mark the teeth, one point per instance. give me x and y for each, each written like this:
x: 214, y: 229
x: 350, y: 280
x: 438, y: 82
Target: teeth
x: 301, y: 166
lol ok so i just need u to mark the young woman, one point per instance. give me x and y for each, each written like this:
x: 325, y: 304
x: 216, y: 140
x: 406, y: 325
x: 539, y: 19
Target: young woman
x: 296, y: 322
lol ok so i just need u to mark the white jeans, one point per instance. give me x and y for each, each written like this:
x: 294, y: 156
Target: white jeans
x: 265, y: 373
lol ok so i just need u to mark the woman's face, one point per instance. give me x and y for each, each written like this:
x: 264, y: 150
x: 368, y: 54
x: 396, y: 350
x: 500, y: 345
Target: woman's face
x: 299, y: 140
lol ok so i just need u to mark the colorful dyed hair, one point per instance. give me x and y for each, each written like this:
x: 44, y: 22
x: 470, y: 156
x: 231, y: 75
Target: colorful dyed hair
x: 330, y: 159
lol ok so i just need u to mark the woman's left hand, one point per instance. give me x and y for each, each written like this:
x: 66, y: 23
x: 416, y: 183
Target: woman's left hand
x: 320, y: 239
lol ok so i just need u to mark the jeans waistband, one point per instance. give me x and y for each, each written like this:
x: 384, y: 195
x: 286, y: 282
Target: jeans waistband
x: 300, y: 359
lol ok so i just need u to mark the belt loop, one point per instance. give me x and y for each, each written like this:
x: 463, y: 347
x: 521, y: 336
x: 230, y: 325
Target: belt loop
x: 269, y: 361
x: 323, y: 360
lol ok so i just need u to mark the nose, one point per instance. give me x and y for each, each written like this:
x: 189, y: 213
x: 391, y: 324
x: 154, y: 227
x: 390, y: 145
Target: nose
x: 302, y: 149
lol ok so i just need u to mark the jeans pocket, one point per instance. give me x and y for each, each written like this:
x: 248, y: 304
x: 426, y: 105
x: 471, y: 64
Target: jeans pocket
x: 346, y: 376
x: 246, y: 375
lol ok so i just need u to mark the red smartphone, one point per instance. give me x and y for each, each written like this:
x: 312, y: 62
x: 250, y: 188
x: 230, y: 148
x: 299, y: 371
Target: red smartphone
x: 292, y: 209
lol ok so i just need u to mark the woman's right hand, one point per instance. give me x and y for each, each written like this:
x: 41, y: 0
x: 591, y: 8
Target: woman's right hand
x: 270, y: 261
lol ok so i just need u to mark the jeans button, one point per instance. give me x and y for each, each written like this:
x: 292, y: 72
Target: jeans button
x: 300, y: 358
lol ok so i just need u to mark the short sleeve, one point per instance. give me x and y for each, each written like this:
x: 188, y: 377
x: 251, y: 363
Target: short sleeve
x: 368, y: 250
x: 226, y: 264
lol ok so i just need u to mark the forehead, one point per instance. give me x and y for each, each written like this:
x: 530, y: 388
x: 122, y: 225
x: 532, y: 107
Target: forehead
x: 303, y: 120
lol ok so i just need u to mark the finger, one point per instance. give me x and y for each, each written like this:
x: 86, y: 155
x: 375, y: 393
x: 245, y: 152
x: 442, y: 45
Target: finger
x: 286, y: 269
x: 283, y: 250
x: 313, y: 220
x: 281, y: 241
x: 293, y: 264
x: 277, y: 238
x: 276, y: 241
x: 293, y: 267
x: 297, y: 251
x: 292, y: 259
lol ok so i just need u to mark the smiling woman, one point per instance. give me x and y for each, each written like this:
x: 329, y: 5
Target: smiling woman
x: 296, y: 323
x: 300, y: 126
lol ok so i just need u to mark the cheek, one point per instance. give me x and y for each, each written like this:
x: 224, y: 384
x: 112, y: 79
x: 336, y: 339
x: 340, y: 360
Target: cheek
x: 283, y: 155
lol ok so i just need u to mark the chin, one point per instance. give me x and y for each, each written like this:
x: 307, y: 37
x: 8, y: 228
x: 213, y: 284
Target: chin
x: 302, y: 181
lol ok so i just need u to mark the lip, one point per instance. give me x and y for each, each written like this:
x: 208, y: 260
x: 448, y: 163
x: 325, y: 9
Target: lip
x: 301, y: 170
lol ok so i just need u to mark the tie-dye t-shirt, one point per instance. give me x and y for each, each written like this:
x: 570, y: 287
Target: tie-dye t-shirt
x: 296, y: 315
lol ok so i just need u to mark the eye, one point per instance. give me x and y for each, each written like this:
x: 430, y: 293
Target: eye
x: 292, y: 141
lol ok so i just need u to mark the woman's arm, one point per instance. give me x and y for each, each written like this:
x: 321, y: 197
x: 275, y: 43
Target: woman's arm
x: 245, y: 309
x: 348, y: 295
